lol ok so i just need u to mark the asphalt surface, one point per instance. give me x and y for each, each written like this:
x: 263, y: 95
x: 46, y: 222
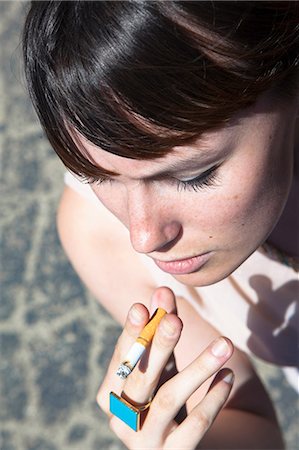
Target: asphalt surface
x: 56, y: 340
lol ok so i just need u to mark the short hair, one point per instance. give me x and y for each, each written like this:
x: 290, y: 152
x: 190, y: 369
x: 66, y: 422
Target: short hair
x: 137, y: 78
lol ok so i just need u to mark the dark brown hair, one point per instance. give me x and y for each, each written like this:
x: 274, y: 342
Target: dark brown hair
x: 139, y: 77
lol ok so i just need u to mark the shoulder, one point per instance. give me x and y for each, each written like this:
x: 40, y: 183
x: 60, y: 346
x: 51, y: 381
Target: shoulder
x: 99, y: 249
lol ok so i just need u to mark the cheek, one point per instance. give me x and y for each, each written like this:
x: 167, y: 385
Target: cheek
x: 254, y: 185
x: 223, y: 212
x: 245, y: 206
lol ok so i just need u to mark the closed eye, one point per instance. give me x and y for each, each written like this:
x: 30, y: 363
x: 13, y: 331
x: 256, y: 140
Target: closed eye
x: 206, y: 179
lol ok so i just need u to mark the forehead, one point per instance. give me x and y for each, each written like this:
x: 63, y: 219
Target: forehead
x: 202, y: 151
x: 210, y: 146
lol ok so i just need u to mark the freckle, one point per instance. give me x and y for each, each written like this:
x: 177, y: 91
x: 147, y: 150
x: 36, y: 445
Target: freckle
x: 236, y: 196
x: 243, y: 224
x: 210, y: 237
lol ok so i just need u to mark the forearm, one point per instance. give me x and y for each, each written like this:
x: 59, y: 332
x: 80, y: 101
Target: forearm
x: 235, y: 429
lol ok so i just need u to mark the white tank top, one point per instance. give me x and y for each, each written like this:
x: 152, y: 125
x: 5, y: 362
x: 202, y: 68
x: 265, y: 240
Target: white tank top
x: 256, y: 306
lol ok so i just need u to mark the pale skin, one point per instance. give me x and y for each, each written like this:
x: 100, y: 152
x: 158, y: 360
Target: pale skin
x: 228, y: 220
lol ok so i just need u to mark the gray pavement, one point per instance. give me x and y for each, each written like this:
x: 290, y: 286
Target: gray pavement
x: 55, y: 339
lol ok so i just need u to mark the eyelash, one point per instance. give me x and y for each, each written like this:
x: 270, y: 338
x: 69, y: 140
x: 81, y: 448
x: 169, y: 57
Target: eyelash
x: 206, y: 179
x: 97, y: 180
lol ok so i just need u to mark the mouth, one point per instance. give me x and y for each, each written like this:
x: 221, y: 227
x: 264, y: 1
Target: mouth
x: 183, y: 266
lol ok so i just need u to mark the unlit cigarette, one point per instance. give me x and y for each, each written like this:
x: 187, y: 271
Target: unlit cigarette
x: 138, y: 348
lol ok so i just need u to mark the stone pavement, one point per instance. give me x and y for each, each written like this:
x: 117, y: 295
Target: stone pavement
x: 55, y: 339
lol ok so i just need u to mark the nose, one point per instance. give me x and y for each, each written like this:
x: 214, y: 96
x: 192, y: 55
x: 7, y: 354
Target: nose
x: 153, y: 225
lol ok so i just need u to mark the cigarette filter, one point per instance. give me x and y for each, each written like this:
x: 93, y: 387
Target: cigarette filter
x: 138, y: 348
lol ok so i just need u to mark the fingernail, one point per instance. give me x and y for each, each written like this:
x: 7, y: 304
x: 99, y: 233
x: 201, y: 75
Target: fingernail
x: 135, y: 315
x: 229, y: 378
x: 168, y: 327
x: 220, y: 348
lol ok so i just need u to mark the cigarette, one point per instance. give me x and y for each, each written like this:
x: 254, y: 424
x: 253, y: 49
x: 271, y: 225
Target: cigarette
x: 138, y: 348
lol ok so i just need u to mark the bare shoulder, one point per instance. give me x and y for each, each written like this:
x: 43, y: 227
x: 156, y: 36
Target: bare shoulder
x: 99, y: 249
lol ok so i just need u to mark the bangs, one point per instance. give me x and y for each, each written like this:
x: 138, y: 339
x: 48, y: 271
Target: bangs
x: 138, y: 78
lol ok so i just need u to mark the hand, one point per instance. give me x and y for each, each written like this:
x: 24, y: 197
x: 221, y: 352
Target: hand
x: 160, y: 430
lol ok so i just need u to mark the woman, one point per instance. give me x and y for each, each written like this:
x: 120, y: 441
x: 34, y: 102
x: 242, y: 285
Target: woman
x: 177, y: 122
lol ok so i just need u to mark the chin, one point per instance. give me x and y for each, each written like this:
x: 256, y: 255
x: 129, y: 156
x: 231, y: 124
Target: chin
x: 197, y: 279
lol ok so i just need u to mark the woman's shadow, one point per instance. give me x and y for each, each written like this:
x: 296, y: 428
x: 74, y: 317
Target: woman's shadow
x: 273, y: 321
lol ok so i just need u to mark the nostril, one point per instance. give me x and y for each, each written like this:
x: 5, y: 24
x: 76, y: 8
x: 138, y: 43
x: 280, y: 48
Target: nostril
x: 172, y: 240
x: 157, y: 238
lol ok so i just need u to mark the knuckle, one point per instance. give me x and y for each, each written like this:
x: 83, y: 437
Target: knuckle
x: 136, y: 382
x: 102, y: 403
x: 141, y: 382
x: 205, y: 366
x: 118, y: 347
x: 200, y: 420
x: 165, y: 401
x: 139, y: 390
x: 113, y: 425
x: 146, y: 386
x: 120, y: 431
x: 163, y: 342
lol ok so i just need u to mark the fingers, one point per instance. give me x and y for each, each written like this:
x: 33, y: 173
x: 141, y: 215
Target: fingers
x: 137, y: 318
x: 188, y: 434
x: 167, y: 335
x: 175, y: 393
x: 142, y: 382
x: 144, y: 379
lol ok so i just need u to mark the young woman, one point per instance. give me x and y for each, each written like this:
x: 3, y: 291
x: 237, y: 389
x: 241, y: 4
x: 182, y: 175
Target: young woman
x: 177, y: 122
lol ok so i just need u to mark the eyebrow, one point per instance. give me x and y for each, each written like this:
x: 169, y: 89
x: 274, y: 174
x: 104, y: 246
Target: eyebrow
x: 204, y: 157
x: 201, y: 158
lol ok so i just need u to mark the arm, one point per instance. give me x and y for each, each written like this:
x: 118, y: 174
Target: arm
x: 248, y: 420
x: 100, y: 251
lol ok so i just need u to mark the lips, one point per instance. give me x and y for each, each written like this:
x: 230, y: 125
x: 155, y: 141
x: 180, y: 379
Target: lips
x: 183, y: 266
